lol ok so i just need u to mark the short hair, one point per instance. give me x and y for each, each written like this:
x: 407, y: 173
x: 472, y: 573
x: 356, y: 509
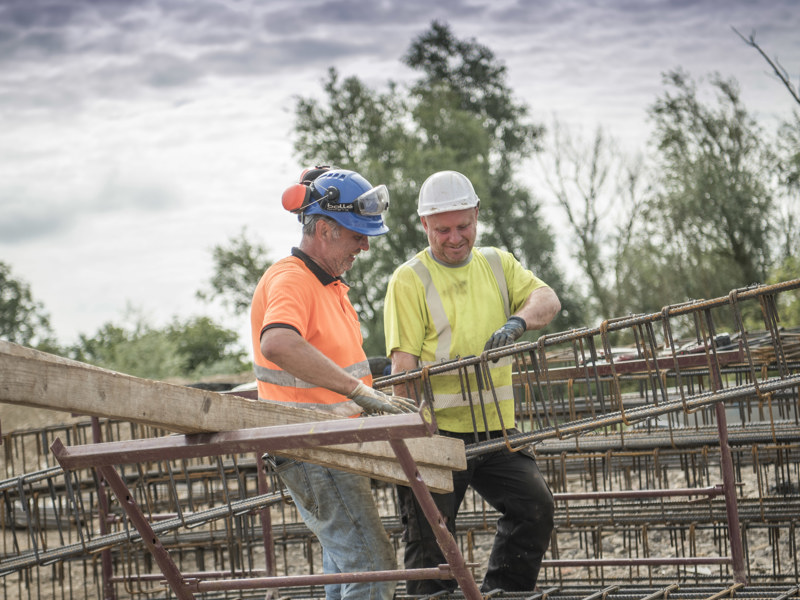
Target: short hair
x: 310, y: 224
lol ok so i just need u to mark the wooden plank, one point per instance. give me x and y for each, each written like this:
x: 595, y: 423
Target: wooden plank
x: 32, y: 378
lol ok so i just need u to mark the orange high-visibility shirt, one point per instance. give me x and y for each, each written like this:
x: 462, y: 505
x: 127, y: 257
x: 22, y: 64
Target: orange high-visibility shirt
x: 296, y: 293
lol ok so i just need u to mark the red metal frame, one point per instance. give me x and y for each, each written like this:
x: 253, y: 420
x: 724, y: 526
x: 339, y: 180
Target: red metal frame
x: 394, y: 429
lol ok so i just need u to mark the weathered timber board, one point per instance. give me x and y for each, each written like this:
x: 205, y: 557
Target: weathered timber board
x: 32, y: 378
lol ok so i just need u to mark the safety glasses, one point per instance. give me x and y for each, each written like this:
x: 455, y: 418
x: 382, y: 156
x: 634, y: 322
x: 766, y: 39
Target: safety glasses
x: 371, y: 203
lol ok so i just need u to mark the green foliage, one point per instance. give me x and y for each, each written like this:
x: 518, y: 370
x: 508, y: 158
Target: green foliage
x: 600, y: 191
x: 202, y: 344
x: 789, y: 147
x: 458, y: 115
x: 788, y: 302
x: 192, y: 349
x: 710, y: 225
x: 23, y: 320
x: 237, y: 269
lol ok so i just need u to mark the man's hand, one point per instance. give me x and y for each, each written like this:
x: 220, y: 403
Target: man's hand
x: 507, y: 334
x: 375, y: 401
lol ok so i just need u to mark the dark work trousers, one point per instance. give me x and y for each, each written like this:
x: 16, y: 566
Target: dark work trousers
x: 512, y: 484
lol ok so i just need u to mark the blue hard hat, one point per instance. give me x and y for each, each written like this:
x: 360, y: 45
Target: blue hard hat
x: 350, y: 200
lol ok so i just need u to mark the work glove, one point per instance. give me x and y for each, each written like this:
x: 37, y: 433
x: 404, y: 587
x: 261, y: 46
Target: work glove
x: 375, y: 401
x: 507, y: 334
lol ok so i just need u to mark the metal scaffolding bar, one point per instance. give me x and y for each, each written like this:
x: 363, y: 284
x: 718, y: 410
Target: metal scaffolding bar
x: 393, y: 428
x: 630, y: 422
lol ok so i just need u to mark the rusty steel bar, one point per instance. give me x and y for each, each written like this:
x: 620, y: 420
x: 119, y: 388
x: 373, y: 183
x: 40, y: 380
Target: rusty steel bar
x: 243, y: 441
x: 726, y: 466
x: 608, y: 326
x: 711, y: 491
x: 442, y: 572
x: 103, y: 514
x: 445, y: 540
x: 98, y: 543
x: 266, y: 517
x: 632, y: 562
x: 639, y: 365
x: 634, y: 414
x: 149, y: 538
x: 613, y: 464
x: 393, y: 428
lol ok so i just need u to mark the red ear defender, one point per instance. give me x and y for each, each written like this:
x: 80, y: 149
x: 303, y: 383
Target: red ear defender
x: 295, y: 197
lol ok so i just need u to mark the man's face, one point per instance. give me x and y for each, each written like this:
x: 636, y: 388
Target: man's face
x: 343, y: 248
x: 451, y: 235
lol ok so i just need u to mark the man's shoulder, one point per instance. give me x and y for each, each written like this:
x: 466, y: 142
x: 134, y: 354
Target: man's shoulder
x: 287, y: 262
x: 288, y: 266
x: 492, y: 253
x: 488, y: 251
x: 411, y: 263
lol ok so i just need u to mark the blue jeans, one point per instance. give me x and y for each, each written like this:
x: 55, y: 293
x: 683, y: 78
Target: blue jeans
x: 340, y: 510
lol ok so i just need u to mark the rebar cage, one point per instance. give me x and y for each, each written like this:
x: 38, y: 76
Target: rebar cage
x: 670, y: 441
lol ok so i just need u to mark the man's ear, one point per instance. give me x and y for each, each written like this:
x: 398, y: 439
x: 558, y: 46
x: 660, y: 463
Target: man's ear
x: 325, y: 229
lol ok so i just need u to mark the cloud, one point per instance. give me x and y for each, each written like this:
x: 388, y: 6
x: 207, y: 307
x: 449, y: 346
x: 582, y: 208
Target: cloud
x: 23, y: 218
x: 121, y: 119
x: 40, y: 210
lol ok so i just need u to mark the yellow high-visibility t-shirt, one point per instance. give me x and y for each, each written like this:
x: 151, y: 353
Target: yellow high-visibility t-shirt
x: 438, y: 313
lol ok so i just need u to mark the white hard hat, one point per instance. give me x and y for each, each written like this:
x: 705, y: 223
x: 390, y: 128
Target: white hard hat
x: 446, y: 191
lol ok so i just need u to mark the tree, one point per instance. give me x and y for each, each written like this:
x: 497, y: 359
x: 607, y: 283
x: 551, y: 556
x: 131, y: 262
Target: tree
x: 788, y: 148
x: 600, y: 192
x: 23, y: 320
x: 193, y: 348
x: 237, y: 269
x: 458, y: 115
x: 780, y: 72
x: 474, y: 81
x: 713, y: 215
x: 356, y: 128
x: 138, y: 350
x: 205, y: 347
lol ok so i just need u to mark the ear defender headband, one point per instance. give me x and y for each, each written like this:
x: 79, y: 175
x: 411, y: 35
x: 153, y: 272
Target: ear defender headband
x: 296, y: 197
x: 299, y: 196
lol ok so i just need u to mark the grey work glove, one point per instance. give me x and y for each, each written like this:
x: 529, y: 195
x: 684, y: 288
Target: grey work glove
x: 375, y: 401
x: 507, y: 334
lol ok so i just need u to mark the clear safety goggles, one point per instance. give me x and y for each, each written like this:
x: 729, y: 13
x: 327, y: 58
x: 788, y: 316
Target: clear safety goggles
x: 371, y: 203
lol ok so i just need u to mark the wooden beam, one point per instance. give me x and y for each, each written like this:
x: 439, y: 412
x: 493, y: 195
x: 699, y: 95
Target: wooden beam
x: 32, y: 378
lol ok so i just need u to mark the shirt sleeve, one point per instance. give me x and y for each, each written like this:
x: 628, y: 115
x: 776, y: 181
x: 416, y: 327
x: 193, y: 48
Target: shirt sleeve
x: 405, y: 314
x: 521, y: 282
x: 289, y: 302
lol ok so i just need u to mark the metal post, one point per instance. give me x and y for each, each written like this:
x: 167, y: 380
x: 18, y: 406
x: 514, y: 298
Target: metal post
x: 168, y: 567
x: 445, y: 540
x: 103, y: 514
x: 266, y: 517
x: 726, y: 463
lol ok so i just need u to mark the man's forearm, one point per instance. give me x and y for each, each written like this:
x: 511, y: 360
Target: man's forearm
x: 403, y: 361
x: 540, y: 308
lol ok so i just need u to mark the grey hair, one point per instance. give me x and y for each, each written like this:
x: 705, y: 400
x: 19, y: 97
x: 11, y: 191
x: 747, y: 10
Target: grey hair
x: 310, y: 225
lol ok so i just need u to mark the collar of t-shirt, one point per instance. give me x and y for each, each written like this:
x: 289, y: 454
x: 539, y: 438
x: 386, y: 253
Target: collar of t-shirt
x: 449, y: 266
x: 324, y: 277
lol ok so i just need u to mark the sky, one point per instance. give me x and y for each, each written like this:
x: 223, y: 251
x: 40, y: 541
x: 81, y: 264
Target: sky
x: 137, y: 135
